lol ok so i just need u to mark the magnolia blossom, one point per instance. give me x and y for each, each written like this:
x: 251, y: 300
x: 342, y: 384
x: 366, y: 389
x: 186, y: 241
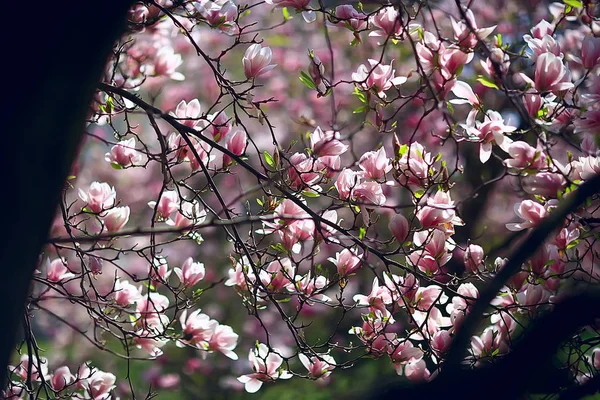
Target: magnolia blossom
x: 590, y: 52
x: 399, y: 226
x: 326, y: 143
x: 197, y: 329
x: 57, y: 271
x: 188, y: 114
x: 167, y: 204
x: 542, y: 45
x: 531, y: 212
x: 304, y: 172
x: 319, y: 367
x: 377, y: 300
x: 124, y: 154
x: 219, y: 14
x: 125, y: 293
x: 369, y: 194
x: 524, y: 156
x: 346, y: 262
x: 99, y: 197
x: 116, y: 218
x: 473, y: 258
x: 278, y: 274
x: 241, y: 274
x: 439, y: 212
x: 491, y: 130
x: 388, y: 22
x: 377, y: 77
x: 266, y: 365
x: 100, y: 384
x: 257, y: 61
x: 292, y: 224
x: 190, y: 272
x: 223, y: 340
x: 375, y: 164
x: 463, y: 33
x: 351, y: 18
x: 165, y: 63
x: 414, y: 166
x: 308, y: 285
x: 61, y: 378
x: 588, y: 123
x: 189, y: 214
x: 551, y: 74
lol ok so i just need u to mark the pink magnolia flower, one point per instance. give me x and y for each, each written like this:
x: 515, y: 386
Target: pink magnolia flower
x: 236, y: 143
x: 151, y: 305
x: 190, y: 214
x: 38, y: 368
x: 266, y: 365
x: 167, y: 204
x: 149, y: 342
x: 377, y: 77
x: 441, y: 342
x: 346, y: 262
x: 309, y: 285
x: 547, y: 184
x: 219, y: 125
x: 125, y: 293
x: 319, y: 367
x: 414, y: 167
x: 375, y: 164
x: 451, y: 60
x: 345, y: 183
x: 190, y: 272
x: 542, y: 45
x: 257, y: 61
x: 197, y: 328
x: 402, y: 353
x: 224, y: 340
x: 465, y: 94
x: 377, y: 300
x: 533, y: 103
x: 241, y: 274
x: 326, y: 143
x: 304, y: 172
x: 586, y: 167
x: 400, y: 227
x: 95, y: 265
x: 57, y: 271
x: 543, y: 28
x: 430, y: 253
x: 99, y: 197
x: 293, y: 225
x: 369, y: 194
x: 124, y: 154
x: 354, y: 20
x: 491, y: 130
x: 219, y: 14
x: 489, y: 343
x: 100, y: 384
x: 388, y: 21
x: 188, y: 114
x: 589, y: 122
x: 590, y: 52
x: 116, y: 218
x: 439, y: 212
x: 531, y: 212
x: 297, y: 4
x: 473, y: 258
x: 165, y: 63
x: 463, y: 34
x: 551, y: 74
x: 524, y: 156
x: 279, y: 274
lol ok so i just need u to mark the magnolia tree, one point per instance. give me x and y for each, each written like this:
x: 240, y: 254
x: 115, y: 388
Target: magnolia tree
x: 294, y: 190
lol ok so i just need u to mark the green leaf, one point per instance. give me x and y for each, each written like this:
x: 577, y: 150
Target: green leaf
x: 419, y: 193
x: 573, y: 244
x: 487, y: 82
x: 362, y: 232
x: 307, y: 80
x: 269, y: 159
x: 573, y: 3
x: 115, y: 166
x: 310, y: 193
x: 360, y: 109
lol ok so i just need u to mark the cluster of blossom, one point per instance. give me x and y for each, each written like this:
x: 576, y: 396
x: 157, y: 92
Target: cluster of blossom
x: 322, y: 241
x: 87, y: 383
